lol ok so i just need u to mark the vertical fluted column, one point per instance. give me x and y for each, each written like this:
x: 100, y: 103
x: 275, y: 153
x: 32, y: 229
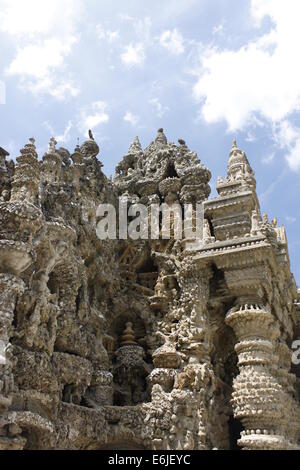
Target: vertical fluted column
x: 258, y: 399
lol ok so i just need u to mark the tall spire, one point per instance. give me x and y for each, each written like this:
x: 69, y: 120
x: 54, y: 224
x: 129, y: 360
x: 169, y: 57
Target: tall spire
x: 26, y: 178
x: 135, y: 147
x: 238, y: 165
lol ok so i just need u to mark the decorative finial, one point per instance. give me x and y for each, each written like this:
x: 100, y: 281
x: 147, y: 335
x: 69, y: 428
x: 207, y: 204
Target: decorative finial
x: 181, y: 141
x: 91, y: 135
x: 234, y: 143
x: 128, y: 335
x: 52, y: 145
x: 32, y: 140
x: 265, y: 219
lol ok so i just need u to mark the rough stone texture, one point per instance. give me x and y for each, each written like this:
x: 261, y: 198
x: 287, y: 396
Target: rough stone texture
x: 148, y: 344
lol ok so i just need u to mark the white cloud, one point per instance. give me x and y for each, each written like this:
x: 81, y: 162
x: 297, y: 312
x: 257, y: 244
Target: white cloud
x: 272, y: 187
x: 159, y: 108
x: 287, y: 136
x: 62, y: 138
x: 92, y: 116
x: 2, y: 92
x: 44, y: 36
x: 131, y: 118
x: 290, y: 220
x: 268, y: 159
x: 218, y: 29
x: 141, y: 26
x: 107, y: 34
x: 18, y: 17
x: 37, y: 60
x: 134, y: 54
x: 250, y: 137
x: 236, y: 84
x: 112, y: 35
x: 172, y: 41
x: 262, y: 78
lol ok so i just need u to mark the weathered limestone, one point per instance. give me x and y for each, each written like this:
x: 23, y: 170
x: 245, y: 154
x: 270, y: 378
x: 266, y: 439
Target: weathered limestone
x: 146, y: 344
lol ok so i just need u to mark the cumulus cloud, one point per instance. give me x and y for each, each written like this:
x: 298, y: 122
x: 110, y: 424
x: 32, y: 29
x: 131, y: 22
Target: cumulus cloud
x: 107, y: 34
x: 287, y: 136
x: 44, y: 36
x: 260, y: 79
x: 158, y: 107
x: 172, y: 41
x: 131, y: 118
x: 91, y: 117
x: 38, y: 59
x: 134, y: 54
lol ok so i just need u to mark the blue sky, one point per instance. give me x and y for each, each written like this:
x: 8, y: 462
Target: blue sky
x: 204, y: 70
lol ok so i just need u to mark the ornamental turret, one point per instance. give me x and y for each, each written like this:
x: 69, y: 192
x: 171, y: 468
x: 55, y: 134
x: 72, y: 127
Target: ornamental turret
x: 233, y: 212
x: 239, y: 173
x: 25, y: 185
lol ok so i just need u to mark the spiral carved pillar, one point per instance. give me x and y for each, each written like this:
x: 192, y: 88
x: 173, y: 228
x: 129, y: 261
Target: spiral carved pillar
x: 258, y: 400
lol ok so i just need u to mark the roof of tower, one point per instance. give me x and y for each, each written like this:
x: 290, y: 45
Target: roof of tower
x: 238, y: 161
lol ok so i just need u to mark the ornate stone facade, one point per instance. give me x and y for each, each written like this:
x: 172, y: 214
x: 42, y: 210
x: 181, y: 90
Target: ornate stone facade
x: 147, y: 344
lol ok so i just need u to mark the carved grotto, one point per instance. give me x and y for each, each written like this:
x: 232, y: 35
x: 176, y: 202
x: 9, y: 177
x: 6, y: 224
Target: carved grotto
x: 147, y: 344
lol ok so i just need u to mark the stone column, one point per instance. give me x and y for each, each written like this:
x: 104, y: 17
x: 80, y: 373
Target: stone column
x: 258, y: 399
x: 195, y: 384
x: 10, y: 288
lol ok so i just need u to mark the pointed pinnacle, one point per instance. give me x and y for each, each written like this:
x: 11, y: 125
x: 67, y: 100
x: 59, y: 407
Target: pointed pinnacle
x: 135, y: 146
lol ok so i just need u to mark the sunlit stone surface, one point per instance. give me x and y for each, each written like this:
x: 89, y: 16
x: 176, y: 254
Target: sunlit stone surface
x: 154, y: 344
